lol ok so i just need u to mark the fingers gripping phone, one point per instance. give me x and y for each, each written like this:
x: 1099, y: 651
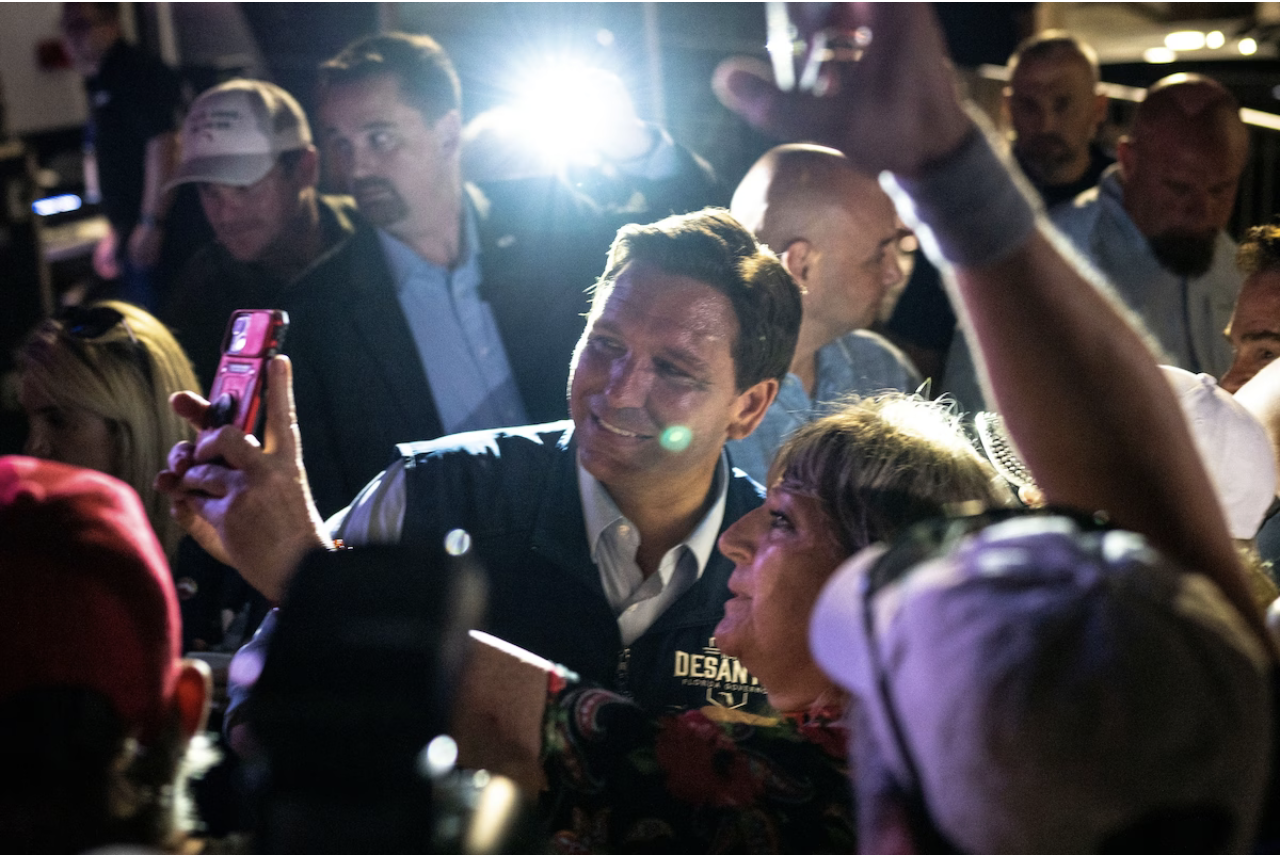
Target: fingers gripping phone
x: 253, y: 337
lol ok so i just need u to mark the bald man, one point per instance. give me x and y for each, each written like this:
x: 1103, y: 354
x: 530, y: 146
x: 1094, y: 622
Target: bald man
x: 1154, y: 225
x: 1054, y: 109
x: 837, y: 233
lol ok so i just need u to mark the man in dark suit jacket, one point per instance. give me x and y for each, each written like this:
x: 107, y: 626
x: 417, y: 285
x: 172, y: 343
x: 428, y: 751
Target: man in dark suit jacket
x: 359, y: 382
x: 453, y: 312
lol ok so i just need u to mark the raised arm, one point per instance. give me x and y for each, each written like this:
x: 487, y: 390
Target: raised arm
x: 1079, y: 391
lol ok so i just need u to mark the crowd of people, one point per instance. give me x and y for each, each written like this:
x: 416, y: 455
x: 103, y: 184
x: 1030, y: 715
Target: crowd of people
x: 743, y: 587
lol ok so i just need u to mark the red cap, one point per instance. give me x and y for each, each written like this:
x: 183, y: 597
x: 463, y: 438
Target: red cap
x: 86, y: 597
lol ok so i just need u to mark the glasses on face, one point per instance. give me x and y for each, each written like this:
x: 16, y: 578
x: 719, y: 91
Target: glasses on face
x: 920, y: 543
x: 87, y: 324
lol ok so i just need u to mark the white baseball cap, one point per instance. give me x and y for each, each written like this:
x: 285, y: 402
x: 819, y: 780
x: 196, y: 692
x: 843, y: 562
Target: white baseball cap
x: 1234, y: 447
x: 235, y: 132
x: 1051, y: 686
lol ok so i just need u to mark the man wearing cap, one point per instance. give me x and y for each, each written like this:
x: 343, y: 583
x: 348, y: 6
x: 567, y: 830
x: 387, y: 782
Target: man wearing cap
x: 97, y: 711
x: 246, y: 144
x: 1039, y: 687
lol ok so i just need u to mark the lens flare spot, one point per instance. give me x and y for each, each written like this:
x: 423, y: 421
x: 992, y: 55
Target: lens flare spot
x: 438, y: 757
x: 457, y: 542
x: 676, y: 438
x: 245, y: 668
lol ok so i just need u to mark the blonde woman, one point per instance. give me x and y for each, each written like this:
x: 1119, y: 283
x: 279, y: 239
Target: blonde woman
x: 95, y: 386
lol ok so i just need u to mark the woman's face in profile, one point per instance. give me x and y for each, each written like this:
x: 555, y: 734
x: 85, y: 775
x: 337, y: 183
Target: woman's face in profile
x: 783, y: 553
x: 71, y: 435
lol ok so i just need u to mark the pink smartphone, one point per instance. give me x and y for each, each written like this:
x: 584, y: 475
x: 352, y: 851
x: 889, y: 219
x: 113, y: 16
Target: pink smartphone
x: 253, y: 337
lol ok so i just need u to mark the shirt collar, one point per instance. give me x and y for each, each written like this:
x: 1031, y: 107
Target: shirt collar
x: 1109, y: 185
x: 600, y: 512
x: 404, y: 261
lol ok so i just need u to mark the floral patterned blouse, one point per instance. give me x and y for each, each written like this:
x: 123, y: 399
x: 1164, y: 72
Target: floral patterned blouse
x: 622, y: 781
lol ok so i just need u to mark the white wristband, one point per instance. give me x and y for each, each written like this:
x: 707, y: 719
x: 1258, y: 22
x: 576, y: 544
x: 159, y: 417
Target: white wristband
x: 968, y: 209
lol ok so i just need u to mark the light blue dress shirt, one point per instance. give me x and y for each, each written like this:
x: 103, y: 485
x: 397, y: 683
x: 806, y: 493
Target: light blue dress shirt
x: 857, y: 363
x: 1186, y: 315
x: 456, y: 335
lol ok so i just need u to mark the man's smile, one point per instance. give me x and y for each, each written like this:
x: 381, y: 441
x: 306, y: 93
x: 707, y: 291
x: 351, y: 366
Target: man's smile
x: 621, y: 432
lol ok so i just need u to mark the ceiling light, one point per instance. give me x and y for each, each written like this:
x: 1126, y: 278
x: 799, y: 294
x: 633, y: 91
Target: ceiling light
x: 1184, y: 40
x: 1215, y: 40
x: 1159, y: 55
x: 1248, y: 47
x: 571, y: 112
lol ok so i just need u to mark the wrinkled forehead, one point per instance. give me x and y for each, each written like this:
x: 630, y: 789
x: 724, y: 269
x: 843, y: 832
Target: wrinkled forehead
x: 1259, y: 301
x: 1198, y: 161
x: 1188, y: 124
x: 684, y: 303
x: 376, y: 97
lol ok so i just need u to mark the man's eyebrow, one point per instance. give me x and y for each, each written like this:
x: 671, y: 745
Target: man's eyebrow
x: 687, y: 357
x: 605, y: 324
x: 683, y: 355
x: 1261, y: 336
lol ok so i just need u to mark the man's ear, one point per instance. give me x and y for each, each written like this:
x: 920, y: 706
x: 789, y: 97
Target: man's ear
x: 309, y: 167
x: 795, y: 258
x: 751, y: 406
x: 1099, y: 110
x: 1125, y: 157
x: 191, y: 696
x: 448, y: 128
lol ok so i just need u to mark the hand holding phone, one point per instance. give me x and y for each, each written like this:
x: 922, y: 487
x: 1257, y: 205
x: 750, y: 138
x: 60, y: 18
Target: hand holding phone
x: 253, y: 337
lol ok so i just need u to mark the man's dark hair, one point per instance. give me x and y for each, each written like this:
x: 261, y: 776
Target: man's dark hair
x: 1260, y: 250
x: 423, y: 69
x: 712, y: 247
